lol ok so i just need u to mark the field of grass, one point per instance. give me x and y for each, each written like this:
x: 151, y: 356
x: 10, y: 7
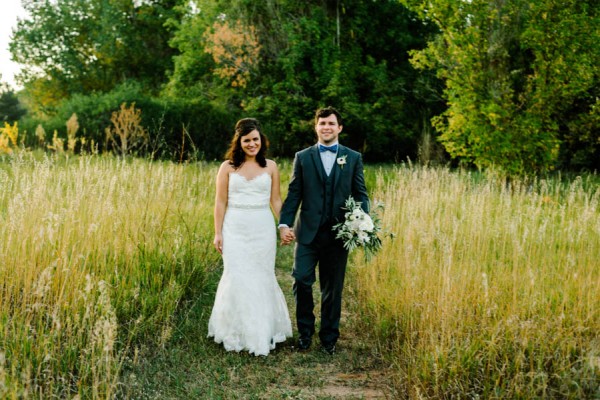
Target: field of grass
x: 107, y: 275
x: 489, y: 290
x: 193, y: 366
x: 95, y: 256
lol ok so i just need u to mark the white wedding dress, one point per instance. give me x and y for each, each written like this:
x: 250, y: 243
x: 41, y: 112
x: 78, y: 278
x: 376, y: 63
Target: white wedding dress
x: 250, y: 312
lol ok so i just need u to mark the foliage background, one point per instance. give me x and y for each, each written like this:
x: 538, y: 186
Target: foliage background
x: 500, y: 84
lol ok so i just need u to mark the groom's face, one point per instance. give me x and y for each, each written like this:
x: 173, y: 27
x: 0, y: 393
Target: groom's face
x: 328, y: 129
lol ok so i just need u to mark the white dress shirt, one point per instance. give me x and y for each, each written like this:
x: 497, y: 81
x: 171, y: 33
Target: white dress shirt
x: 328, y: 158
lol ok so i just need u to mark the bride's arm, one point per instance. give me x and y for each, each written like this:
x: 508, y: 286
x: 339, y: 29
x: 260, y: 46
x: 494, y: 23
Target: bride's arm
x: 275, y: 190
x: 221, y: 204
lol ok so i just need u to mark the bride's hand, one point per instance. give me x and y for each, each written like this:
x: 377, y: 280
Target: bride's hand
x: 287, y: 235
x: 218, y: 243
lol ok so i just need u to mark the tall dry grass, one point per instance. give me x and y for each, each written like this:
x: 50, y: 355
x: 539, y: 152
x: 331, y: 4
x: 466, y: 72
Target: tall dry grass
x: 95, y: 256
x: 488, y: 290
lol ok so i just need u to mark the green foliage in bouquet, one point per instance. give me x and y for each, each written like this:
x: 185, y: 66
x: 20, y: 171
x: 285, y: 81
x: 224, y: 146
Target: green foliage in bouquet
x: 360, y: 229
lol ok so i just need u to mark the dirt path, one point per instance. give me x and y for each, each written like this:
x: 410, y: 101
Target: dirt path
x: 354, y: 372
x: 192, y: 366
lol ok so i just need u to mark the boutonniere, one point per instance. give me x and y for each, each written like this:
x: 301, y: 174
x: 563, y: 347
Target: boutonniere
x: 341, y: 161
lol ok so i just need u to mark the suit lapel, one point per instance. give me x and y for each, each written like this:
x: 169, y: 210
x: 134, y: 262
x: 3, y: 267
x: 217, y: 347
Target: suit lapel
x: 342, y: 153
x: 319, y: 169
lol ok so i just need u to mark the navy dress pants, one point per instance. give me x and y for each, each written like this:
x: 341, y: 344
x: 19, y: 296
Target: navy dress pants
x: 331, y: 257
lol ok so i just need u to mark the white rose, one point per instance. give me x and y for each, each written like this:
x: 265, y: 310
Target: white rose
x: 358, y: 213
x: 354, y: 225
x: 366, y: 224
x: 363, y: 237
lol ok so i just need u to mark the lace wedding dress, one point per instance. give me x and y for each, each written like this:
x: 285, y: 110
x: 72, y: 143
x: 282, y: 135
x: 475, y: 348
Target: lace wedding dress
x: 250, y: 312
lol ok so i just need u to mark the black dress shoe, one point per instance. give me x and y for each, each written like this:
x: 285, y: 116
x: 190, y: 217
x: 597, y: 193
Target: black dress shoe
x: 329, y: 348
x: 304, y: 343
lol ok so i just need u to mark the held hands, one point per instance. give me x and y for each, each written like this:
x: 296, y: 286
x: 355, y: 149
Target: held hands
x: 286, y: 235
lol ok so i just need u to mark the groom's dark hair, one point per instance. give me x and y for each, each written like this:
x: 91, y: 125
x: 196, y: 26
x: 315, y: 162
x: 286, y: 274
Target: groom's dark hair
x: 326, y: 112
x: 235, y: 154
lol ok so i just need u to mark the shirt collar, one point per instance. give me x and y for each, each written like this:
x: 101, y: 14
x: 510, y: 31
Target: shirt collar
x: 328, y: 145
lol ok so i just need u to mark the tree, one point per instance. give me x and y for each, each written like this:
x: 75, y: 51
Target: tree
x: 10, y: 106
x: 513, y: 71
x: 78, y: 46
x: 311, y: 54
x: 234, y: 49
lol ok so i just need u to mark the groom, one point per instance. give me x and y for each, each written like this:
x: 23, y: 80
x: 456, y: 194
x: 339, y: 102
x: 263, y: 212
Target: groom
x: 324, y: 176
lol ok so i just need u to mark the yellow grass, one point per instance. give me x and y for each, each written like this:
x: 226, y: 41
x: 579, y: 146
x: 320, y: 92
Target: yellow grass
x: 486, y: 291
x: 95, y: 254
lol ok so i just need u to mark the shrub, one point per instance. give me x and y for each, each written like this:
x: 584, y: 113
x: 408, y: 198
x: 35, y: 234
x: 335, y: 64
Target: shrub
x: 177, y: 129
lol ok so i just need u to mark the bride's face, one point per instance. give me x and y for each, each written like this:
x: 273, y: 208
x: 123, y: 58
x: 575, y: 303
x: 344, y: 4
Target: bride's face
x: 251, y: 143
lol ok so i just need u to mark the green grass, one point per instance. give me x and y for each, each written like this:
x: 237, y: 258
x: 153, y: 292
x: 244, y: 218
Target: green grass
x: 194, y: 366
x: 107, y: 278
x: 488, y: 289
x: 96, y: 254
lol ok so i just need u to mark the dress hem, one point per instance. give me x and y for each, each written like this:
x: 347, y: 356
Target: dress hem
x: 279, y: 338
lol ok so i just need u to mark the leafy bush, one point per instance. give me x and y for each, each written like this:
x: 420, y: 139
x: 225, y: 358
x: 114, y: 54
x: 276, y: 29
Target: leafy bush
x: 179, y: 129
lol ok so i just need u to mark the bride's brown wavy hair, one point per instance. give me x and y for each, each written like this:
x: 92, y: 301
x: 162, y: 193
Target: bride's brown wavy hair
x: 235, y: 154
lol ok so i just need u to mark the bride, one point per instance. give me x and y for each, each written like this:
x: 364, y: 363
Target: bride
x: 250, y: 312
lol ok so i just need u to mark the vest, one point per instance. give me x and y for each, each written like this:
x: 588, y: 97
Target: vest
x: 328, y: 190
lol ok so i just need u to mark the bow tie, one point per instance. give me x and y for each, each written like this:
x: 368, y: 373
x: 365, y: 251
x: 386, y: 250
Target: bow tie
x: 332, y: 148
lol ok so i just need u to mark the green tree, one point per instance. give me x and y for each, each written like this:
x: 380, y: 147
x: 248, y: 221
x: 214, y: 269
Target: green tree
x: 78, y: 46
x: 316, y: 53
x: 513, y: 73
x: 11, y: 109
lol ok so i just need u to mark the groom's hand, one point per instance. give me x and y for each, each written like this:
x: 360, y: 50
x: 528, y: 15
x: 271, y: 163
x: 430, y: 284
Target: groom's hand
x: 286, y: 235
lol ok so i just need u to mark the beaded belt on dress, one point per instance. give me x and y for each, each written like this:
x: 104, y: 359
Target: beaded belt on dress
x: 249, y: 206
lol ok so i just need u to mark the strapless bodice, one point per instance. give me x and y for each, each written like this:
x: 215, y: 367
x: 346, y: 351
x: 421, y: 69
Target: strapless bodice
x: 249, y: 193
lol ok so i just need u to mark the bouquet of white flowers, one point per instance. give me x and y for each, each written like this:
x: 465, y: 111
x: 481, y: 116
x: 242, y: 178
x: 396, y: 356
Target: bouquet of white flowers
x: 359, y: 229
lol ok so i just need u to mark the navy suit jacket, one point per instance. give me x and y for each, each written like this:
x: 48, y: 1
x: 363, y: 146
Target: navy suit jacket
x: 306, y: 190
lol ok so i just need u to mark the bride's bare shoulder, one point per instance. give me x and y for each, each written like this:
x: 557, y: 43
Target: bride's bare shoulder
x: 225, y: 169
x: 226, y: 166
x: 271, y: 165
